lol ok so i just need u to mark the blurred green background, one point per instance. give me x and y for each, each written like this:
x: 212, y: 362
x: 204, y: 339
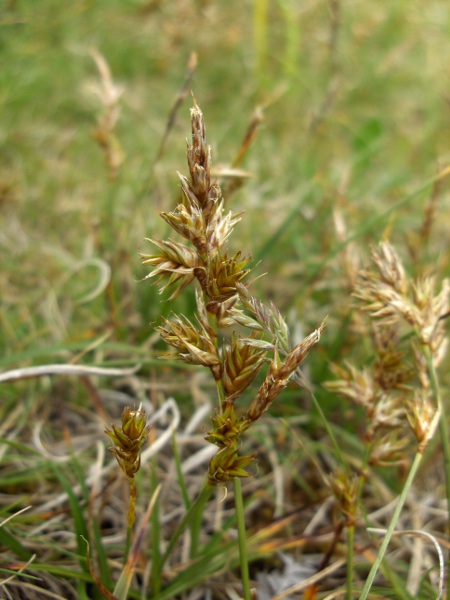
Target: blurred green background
x: 355, y: 100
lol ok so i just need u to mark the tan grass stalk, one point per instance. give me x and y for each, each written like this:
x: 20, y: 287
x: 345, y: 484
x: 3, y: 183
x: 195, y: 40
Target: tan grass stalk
x: 104, y: 133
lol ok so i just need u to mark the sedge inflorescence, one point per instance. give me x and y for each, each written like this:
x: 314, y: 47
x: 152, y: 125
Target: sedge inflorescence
x: 128, y: 439
x: 409, y: 343
x: 225, y: 308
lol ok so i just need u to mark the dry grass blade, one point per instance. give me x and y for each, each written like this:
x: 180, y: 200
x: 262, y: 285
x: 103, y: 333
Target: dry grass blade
x: 313, y: 580
x: 433, y: 540
x: 78, y: 370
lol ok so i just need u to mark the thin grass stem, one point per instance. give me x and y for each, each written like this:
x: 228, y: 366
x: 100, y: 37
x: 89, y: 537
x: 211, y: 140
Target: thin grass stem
x: 401, y: 501
x: 443, y: 430
x: 126, y: 551
x: 240, y: 518
x: 350, y: 555
x: 330, y: 433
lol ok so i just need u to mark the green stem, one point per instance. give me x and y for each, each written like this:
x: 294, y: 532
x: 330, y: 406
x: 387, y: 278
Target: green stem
x: 337, y: 450
x: 443, y: 430
x: 351, y: 528
x: 131, y: 517
x: 240, y: 518
x: 392, y: 524
x: 350, y: 555
x: 155, y: 574
x: 127, y: 545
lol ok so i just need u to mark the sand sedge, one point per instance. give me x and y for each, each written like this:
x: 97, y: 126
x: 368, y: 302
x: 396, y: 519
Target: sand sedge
x: 225, y: 308
x: 399, y: 392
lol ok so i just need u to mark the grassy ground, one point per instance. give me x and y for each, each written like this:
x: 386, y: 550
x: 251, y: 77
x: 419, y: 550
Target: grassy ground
x: 355, y: 132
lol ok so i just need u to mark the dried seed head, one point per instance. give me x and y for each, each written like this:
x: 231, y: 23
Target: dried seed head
x: 223, y: 275
x: 223, y: 313
x: 128, y: 440
x: 226, y: 427
x: 390, y: 267
x: 345, y: 489
x: 296, y: 356
x: 279, y: 374
x: 175, y: 263
x: 226, y: 465
x: 430, y: 308
x: 200, y: 153
x: 268, y: 317
x: 271, y: 387
x: 189, y: 223
x: 389, y: 449
x: 356, y: 385
x: 423, y: 417
x: 199, y: 162
x: 194, y: 345
x: 391, y: 371
x: 388, y: 412
x: 219, y: 227
x: 109, y: 94
x: 382, y: 302
x: 383, y: 296
x: 241, y: 363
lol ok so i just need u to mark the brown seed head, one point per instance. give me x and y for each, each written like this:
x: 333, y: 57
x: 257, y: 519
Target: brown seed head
x: 199, y: 159
x: 194, y: 345
x: 226, y: 465
x: 423, y: 417
x: 175, y: 263
x: 128, y: 440
x: 354, y: 384
x: 241, y: 363
x: 294, y: 359
x: 268, y: 317
x: 390, y: 267
x: 345, y: 489
x: 389, y: 449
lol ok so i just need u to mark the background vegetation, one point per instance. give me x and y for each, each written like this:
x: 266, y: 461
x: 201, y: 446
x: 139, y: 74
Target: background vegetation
x: 355, y: 130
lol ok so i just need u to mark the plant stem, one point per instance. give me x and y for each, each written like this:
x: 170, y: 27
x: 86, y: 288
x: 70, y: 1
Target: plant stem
x: 392, y: 524
x: 336, y: 448
x: 155, y: 574
x: 131, y: 517
x: 351, y: 528
x: 240, y: 518
x: 443, y: 433
x: 350, y: 554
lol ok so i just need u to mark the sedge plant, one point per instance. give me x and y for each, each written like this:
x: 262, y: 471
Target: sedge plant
x: 399, y: 391
x: 234, y: 335
x: 128, y: 439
